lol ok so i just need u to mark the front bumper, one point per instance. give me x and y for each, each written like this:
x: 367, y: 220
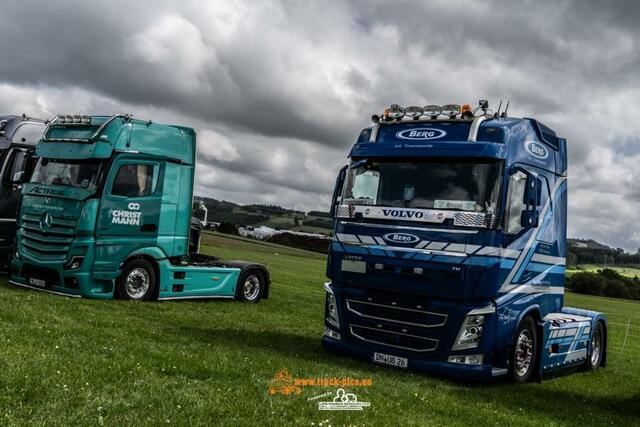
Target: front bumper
x: 434, y: 367
x: 80, y: 282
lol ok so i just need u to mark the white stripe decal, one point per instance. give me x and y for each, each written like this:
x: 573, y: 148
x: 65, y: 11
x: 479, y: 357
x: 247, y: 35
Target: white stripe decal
x: 547, y: 259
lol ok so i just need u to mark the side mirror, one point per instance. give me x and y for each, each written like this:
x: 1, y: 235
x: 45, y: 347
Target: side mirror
x: 17, y: 178
x: 337, y: 190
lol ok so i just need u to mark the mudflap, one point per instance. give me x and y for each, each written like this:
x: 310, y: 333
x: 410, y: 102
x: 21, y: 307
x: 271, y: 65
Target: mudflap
x: 567, y: 337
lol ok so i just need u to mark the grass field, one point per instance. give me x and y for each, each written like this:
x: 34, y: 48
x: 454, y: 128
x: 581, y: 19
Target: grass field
x: 68, y: 361
x: 624, y: 271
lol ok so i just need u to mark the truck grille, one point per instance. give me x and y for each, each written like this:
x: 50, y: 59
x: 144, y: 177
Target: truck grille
x: 52, y: 245
x: 396, y: 314
x: 399, y: 340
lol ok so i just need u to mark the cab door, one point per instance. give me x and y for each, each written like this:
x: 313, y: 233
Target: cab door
x: 129, y: 210
x: 17, y: 166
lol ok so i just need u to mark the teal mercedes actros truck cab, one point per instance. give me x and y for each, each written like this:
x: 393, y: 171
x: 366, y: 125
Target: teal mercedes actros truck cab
x: 107, y: 213
x: 449, y: 248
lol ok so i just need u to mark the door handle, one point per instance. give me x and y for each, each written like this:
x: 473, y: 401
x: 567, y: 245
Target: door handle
x: 149, y: 227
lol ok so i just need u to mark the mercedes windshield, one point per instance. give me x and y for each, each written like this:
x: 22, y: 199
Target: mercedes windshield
x: 69, y: 173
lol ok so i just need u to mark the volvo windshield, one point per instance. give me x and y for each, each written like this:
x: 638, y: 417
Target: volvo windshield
x: 471, y: 186
x: 69, y: 173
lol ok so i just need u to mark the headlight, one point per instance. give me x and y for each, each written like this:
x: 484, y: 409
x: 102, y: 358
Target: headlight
x: 470, y: 332
x: 331, y: 309
x: 413, y: 112
x: 17, y: 254
x: 432, y: 111
x: 451, y: 110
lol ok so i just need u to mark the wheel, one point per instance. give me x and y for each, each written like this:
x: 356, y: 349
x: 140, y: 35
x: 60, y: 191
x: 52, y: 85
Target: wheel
x: 524, y: 351
x: 597, y: 347
x: 137, y: 281
x: 251, y: 286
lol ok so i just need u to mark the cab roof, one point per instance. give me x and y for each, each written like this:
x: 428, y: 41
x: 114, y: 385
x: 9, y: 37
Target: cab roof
x: 85, y: 137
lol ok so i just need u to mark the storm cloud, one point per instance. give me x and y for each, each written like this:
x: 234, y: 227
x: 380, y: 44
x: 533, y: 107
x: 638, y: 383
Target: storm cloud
x: 278, y: 90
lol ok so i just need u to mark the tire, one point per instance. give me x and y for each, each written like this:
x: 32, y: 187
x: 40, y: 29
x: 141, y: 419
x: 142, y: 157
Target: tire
x: 524, y: 351
x: 251, y: 286
x: 138, y: 281
x: 597, y: 348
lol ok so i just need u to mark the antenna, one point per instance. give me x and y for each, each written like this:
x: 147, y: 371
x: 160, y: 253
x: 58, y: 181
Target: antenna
x: 504, y: 113
x: 495, y: 116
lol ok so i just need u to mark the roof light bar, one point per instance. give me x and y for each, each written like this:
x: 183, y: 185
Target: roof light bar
x: 71, y: 119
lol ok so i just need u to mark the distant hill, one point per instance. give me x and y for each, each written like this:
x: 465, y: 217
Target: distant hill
x: 273, y: 216
x: 587, y: 243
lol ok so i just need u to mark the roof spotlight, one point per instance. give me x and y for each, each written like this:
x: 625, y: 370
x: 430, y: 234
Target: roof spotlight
x: 86, y: 119
x: 394, y: 112
x: 77, y: 119
x: 413, y: 112
x: 451, y: 110
x: 69, y: 119
x: 432, y: 111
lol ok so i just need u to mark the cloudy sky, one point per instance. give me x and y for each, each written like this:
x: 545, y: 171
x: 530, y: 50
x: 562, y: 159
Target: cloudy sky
x: 278, y: 90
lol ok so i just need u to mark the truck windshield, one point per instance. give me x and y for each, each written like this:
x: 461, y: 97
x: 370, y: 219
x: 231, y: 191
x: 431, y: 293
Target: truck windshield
x: 69, y: 173
x: 456, y: 185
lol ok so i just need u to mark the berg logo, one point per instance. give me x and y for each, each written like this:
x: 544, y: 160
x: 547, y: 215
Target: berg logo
x: 536, y: 149
x: 401, y: 238
x: 421, y: 134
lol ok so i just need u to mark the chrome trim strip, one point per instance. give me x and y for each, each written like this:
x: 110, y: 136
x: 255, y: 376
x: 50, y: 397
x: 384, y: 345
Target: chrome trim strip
x: 49, y: 291
x: 396, y: 333
x: 7, y: 220
x: 446, y: 316
x: 404, y: 227
x: 195, y: 297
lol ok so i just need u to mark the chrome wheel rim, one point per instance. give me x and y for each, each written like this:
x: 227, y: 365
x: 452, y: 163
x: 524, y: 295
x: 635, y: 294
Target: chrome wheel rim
x: 251, y: 288
x: 523, y: 352
x: 596, y: 346
x: 137, y: 283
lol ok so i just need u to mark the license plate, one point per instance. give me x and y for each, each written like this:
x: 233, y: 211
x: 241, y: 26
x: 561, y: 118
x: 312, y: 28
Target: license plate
x: 37, y: 282
x: 387, y: 359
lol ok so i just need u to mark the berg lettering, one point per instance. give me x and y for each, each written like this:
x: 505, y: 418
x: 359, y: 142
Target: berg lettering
x: 536, y: 150
x: 421, y: 134
x: 401, y: 238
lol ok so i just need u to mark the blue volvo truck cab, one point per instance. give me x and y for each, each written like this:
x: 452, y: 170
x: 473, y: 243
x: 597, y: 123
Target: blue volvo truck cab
x: 449, y: 248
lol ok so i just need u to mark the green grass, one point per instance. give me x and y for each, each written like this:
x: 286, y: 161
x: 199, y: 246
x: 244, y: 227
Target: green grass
x: 69, y: 361
x: 592, y: 268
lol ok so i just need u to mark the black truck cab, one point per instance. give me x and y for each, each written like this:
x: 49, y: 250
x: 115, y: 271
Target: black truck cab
x: 18, y: 138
